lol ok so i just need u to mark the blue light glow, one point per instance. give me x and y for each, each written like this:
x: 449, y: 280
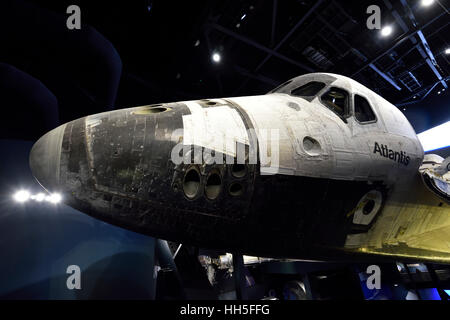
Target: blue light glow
x: 435, y: 138
x: 447, y: 291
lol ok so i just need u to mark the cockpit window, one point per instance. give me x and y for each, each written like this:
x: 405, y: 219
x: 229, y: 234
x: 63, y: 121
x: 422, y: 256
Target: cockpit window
x: 336, y: 100
x: 308, y: 90
x: 280, y: 86
x: 363, y: 111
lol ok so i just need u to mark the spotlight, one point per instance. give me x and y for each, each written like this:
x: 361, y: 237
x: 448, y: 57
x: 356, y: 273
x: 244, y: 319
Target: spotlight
x: 39, y: 197
x: 216, y: 57
x: 426, y: 3
x: 54, y: 198
x: 386, y: 31
x: 447, y: 51
x: 21, y: 196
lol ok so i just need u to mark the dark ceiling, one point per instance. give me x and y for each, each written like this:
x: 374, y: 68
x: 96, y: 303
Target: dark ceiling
x: 166, y: 47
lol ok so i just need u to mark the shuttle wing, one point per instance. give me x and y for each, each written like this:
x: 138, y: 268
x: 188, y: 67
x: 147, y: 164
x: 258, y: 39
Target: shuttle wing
x: 415, y: 220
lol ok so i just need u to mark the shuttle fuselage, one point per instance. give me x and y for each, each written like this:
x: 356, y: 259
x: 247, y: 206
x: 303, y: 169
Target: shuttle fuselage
x: 317, y: 168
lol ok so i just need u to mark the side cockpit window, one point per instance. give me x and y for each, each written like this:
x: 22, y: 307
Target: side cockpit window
x: 363, y: 111
x: 280, y: 87
x: 336, y: 100
x: 308, y: 90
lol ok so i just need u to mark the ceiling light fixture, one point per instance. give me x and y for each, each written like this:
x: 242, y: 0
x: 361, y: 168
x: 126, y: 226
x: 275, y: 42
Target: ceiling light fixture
x: 22, y: 196
x: 386, y: 31
x: 426, y: 3
x: 216, y: 57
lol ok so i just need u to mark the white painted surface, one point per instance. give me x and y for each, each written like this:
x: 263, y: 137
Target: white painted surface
x: 217, y: 128
x: 346, y: 149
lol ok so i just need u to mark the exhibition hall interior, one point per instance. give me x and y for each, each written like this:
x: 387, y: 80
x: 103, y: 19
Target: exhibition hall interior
x: 356, y: 205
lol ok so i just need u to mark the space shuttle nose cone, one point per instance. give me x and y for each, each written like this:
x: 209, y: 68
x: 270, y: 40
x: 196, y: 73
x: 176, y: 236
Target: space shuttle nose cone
x: 45, y: 158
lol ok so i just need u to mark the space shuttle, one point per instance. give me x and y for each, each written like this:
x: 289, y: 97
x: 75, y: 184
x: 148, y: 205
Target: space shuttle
x: 319, y: 168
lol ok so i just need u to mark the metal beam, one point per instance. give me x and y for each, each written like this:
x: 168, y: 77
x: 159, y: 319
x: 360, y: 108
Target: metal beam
x: 239, y: 276
x: 413, y: 283
x: 401, y: 23
x: 426, y: 46
x: 399, y: 20
x: 258, y: 46
x: 431, y: 61
x: 399, y: 42
x: 424, y: 55
x: 166, y: 261
x: 392, y: 65
x: 417, y: 46
x: 427, y: 91
x: 382, y: 74
x: 327, y: 24
x: 255, y: 76
x: 299, y: 23
x: 436, y: 282
x: 409, y: 13
x: 385, y: 76
x: 274, y: 52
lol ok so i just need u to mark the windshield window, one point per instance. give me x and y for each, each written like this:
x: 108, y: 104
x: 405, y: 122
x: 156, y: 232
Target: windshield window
x: 280, y: 86
x: 336, y: 100
x: 363, y: 111
x: 310, y: 89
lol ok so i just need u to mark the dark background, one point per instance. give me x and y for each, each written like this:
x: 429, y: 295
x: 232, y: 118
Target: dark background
x: 131, y: 53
